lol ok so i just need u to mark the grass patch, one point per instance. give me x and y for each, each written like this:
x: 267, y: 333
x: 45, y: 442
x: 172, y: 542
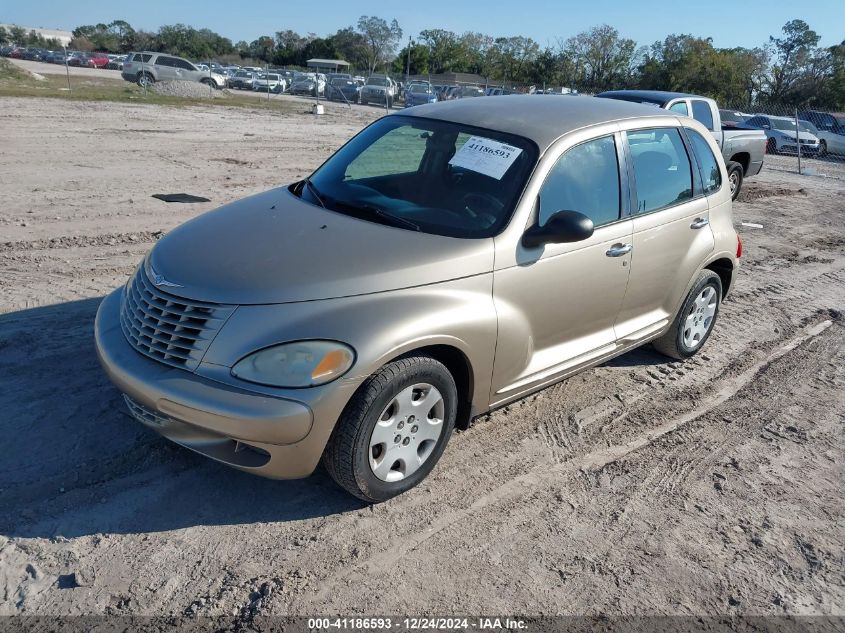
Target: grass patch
x: 15, y: 82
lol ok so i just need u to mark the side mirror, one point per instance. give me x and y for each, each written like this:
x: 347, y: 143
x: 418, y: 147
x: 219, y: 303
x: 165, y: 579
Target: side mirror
x: 563, y: 227
x: 766, y: 126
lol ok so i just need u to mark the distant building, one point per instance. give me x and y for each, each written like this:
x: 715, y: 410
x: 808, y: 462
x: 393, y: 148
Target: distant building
x: 64, y: 37
x: 328, y: 65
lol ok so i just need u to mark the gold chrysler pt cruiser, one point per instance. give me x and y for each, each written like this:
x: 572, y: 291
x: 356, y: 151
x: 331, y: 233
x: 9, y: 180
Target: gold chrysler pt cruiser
x: 447, y: 260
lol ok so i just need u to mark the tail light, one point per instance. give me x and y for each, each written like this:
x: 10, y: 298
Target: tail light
x: 738, y: 246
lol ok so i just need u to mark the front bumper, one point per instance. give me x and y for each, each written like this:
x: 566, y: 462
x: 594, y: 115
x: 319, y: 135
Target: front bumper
x: 266, y: 435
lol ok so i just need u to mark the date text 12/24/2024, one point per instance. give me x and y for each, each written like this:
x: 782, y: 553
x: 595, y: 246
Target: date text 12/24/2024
x: 417, y: 623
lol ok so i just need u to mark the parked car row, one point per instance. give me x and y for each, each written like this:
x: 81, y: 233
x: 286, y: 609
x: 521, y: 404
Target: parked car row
x: 817, y: 133
x: 742, y: 148
x: 71, y: 58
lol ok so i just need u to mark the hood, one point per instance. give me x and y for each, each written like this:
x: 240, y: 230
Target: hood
x: 275, y: 248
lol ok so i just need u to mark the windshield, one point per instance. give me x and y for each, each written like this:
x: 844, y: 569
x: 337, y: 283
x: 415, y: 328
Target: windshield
x: 377, y: 81
x: 420, y: 88
x: 428, y: 175
x: 783, y: 124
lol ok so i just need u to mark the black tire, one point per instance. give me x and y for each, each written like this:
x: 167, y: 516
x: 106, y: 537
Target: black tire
x: 735, y: 176
x: 363, y: 101
x: 771, y: 146
x: 347, y: 454
x: 822, y: 148
x: 208, y: 82
x: 672, y: 342
x: 145, y: 78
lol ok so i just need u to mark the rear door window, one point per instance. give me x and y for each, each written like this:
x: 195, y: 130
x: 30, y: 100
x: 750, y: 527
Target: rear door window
x: 163, y: 60
x: 662, y: 168
x: 181, y: 63
x: 711, y: 175
x: 702, y: 113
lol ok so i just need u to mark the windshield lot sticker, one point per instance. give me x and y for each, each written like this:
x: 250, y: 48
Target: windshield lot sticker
x: 486, y: 156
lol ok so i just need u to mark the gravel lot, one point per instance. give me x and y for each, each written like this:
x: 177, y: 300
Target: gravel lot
x: 643, y: 486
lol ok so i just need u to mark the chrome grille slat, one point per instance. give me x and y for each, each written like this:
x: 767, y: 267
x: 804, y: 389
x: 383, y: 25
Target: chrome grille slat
x: 167, y: 328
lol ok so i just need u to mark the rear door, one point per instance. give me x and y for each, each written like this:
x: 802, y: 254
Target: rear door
x: 186, y: 70
x: 165, y: 68
x: 671, y: 232
x: 703, y: 112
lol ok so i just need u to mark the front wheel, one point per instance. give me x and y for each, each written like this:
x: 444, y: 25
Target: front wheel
x: 394, y: 430
x: 822, y: 149
x: 208, y: 82
x: 695, y: 320
x: 735, y: 175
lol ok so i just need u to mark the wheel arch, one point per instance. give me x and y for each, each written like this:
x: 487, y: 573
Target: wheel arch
x: 723, y: 267
x: 461, y: 369
x: 744, y: 159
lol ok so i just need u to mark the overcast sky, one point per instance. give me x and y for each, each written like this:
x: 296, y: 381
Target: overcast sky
x: 742, y: 23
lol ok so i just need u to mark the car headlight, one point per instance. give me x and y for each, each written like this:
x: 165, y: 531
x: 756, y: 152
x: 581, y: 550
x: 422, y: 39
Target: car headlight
x: 298, y: 364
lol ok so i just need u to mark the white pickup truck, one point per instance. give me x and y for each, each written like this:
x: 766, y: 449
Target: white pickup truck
x: 742, y: 149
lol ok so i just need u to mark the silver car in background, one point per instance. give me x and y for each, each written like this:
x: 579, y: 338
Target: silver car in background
x: 149, y: 67
x: 784, y: 136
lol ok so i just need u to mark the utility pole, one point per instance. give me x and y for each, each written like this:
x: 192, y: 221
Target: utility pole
x: 408, y: 67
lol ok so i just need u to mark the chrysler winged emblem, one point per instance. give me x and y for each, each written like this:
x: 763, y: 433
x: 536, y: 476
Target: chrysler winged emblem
x: 159, y: 280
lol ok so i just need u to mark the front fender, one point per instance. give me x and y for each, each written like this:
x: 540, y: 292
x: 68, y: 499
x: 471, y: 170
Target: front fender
x: 379, y: 326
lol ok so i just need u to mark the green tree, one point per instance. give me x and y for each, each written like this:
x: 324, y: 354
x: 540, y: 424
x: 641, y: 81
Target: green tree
x: 792, y: 52
x: 513, y: 56
x: 605, y: 58
x: 381, y: 39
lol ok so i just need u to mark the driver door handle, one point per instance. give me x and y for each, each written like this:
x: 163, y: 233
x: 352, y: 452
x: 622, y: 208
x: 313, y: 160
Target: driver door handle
x: 617, y: 250
x: 699, y: 223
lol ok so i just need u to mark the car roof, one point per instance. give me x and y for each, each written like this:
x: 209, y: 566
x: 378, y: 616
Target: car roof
x: 539, y: 118
x: 653, y: 96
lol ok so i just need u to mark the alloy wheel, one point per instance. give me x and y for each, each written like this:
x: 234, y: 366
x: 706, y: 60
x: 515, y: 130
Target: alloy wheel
x: 406, y: 432
x: 699, y: 319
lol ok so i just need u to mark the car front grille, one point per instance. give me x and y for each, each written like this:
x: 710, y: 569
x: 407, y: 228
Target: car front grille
x: 169, y: 329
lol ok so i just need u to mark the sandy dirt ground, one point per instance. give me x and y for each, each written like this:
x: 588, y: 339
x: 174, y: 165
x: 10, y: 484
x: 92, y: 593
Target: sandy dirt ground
x: 707, y: 487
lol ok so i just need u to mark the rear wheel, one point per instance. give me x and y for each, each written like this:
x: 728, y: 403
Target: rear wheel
x: 735, y: 175
x: 695, y: 320
x: 394, y: 430
x: 145, y: 80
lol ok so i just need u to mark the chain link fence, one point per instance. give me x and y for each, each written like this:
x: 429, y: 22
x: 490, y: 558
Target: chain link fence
x: 803, y: 140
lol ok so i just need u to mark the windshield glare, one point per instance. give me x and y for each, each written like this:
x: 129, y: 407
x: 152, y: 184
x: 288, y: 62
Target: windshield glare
x: 426, y: 172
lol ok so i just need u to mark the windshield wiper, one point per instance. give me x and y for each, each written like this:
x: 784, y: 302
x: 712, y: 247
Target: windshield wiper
x: 375, y: 211
x: 314, y: 191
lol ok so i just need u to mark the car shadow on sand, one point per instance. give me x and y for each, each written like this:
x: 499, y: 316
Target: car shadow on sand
x: 75, y: 463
